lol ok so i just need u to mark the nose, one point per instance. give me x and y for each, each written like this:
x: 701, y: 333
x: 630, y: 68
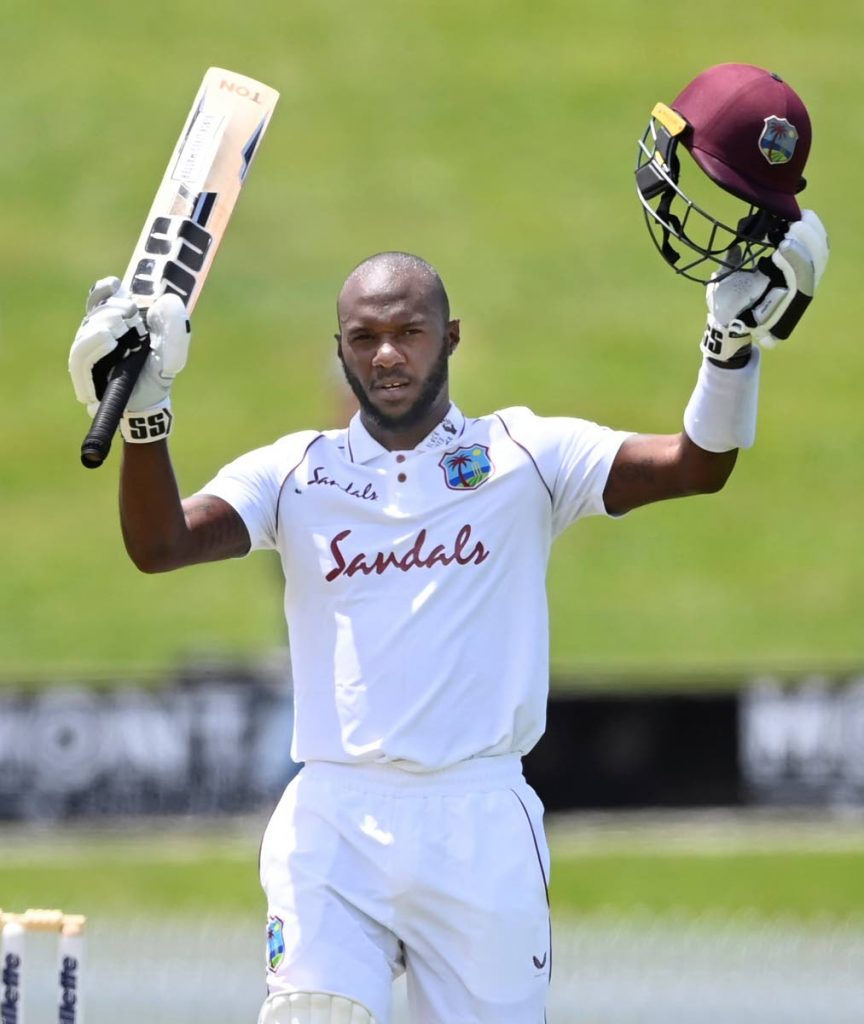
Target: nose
x: 387, y: 355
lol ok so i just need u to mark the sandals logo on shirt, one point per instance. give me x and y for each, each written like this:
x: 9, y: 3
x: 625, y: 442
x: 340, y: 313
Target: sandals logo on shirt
x: 275, y: 942
x: 467, y: 468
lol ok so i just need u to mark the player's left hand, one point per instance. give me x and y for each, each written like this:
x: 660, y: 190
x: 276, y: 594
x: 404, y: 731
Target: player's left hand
x: 765, y: 305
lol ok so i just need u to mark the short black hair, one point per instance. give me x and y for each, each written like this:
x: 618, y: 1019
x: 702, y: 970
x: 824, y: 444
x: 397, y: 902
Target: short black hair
x: 400, y: 262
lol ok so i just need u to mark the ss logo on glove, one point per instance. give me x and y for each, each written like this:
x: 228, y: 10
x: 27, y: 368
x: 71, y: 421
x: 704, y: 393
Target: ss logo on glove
x: 715, y: 336
x: 149, y: 428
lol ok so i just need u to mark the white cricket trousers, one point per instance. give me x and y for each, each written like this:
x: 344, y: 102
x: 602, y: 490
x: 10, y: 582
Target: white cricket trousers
x: 370, y: 871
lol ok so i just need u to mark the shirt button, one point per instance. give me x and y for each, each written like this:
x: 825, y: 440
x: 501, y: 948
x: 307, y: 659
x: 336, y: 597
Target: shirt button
x: 400, y: 458
x: 401, y: 478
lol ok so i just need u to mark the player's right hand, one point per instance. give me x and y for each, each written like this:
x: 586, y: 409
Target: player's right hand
x: 111, y: 329
x: 112, y: 326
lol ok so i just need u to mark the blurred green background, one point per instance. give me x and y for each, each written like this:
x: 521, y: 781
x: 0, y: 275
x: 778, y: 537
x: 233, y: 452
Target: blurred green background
x: 497, y: 140
x: 664, y: 913
x: 771, y: 869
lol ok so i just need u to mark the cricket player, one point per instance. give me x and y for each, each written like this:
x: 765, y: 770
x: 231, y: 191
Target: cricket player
x: 414, y: 545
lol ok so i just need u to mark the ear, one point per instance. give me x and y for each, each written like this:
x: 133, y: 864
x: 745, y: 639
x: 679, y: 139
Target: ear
x: 452, y: 336
x: 338, y: 340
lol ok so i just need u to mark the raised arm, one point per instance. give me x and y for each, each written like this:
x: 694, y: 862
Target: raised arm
x: 654, y: 467
x: 761, y: 305
x: 160, y: 531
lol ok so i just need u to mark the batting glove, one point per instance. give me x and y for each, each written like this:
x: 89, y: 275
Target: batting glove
x: 765, y: 305
x: 111, y: 329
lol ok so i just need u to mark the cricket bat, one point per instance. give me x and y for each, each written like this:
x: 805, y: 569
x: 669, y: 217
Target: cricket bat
x: 187, y: 220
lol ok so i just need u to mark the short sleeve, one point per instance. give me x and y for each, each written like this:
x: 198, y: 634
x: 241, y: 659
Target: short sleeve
x: 252, y: 483
x: 573, y: 457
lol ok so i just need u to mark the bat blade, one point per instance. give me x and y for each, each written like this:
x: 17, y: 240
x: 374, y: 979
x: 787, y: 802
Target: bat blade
x: 188, y: 218
x: 196, y: 198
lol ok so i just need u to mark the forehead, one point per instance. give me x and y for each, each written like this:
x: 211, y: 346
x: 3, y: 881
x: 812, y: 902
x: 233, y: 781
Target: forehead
x: 382, y: 294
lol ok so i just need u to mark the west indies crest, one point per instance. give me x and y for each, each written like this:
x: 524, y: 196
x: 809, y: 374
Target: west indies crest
x: 467, y: 468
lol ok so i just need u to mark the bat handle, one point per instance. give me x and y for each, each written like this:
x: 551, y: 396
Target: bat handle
x: 97, y: 443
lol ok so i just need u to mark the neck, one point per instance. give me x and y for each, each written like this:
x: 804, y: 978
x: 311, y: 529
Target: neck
x: 406, y: 438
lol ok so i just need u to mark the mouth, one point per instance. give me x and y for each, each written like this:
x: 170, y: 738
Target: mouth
x: 391, y: 386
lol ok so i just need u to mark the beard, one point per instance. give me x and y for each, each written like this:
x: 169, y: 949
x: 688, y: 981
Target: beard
x: 429, y: 393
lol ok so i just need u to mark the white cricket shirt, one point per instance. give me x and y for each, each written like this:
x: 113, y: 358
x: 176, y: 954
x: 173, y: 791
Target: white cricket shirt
x: 415, y: 581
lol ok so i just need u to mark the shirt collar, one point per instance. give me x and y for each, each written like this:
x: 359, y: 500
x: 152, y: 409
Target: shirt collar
x: 362, y: 447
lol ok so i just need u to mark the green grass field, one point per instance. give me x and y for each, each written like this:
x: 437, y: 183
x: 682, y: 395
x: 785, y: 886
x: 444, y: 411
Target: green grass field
x: 637, y: 869
x: 497, y: 140
x: 652, y: 919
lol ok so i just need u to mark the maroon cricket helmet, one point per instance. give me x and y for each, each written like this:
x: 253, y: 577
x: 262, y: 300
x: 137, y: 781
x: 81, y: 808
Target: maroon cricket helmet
x: 750, y: 133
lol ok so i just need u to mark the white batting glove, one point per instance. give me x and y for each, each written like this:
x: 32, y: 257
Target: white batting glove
x: 110, y: 330
x: 765, y: 305
x: 110, y: 318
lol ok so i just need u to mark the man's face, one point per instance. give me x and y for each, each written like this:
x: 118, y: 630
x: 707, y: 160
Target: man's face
x: 394, y: 346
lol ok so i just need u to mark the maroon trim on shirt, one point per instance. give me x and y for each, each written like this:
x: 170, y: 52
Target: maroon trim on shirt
x: 530, y: 456
x: 289, y: 473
